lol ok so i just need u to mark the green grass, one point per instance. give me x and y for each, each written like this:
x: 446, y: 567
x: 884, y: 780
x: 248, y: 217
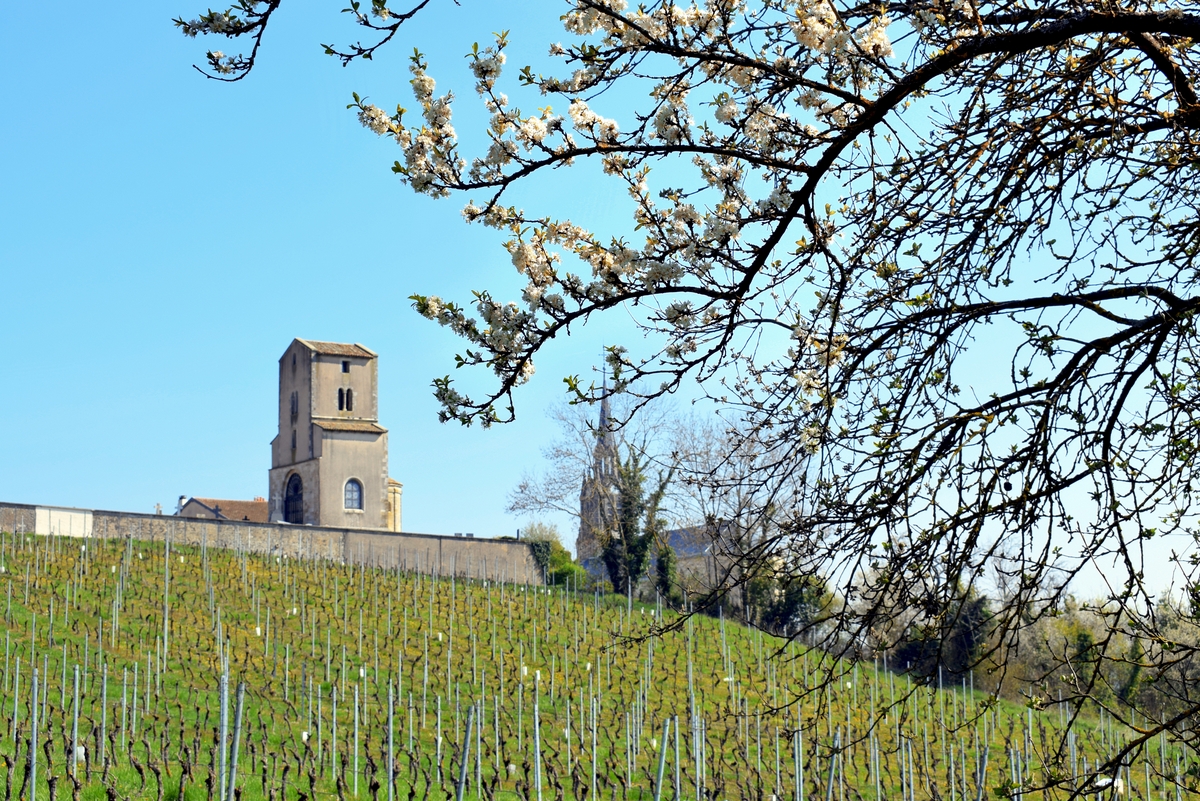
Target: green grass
x: 445, y: 644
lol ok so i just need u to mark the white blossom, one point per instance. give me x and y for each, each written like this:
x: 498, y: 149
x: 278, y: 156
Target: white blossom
x: 679, y: 314
x: 375, y: 119
x: 423, y: 85
x: 589, y: 122
x: 874, y: 39
x: 726, y: 111
x: 532, y: 131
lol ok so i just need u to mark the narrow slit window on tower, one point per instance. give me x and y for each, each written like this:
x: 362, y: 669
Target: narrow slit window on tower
x: 341, y: 399
x: 293, y: 439
x: 349, y: 400
x: 345, y: 366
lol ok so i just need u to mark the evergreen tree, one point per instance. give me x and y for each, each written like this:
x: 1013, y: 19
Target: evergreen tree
x: 626, y: 551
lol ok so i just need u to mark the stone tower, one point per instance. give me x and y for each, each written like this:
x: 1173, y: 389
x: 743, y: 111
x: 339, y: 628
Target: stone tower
x: 329, y: 460
x: 598, y: 496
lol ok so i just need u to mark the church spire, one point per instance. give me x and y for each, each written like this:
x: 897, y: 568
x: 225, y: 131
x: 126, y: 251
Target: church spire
x: 605, y: 414
x: 597, y: 495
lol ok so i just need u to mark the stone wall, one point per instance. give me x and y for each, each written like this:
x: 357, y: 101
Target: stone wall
x: 498, y: 560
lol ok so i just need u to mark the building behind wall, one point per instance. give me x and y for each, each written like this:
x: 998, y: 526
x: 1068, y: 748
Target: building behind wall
x: 255, y: 511
x: 329, y: 459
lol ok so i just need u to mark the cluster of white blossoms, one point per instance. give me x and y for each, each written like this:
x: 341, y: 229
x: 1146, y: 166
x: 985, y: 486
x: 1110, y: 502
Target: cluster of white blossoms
x: 500, y: 153
x: 450, y: 399
x: 532, y: 131
x: 677, y: 350
x: 586, y: 20
x: 685, y: 218
x: 592, y: 124
x: 506, y: 323
x: 672, y: 122
x: 779, y: 199
x: 955, y: 17
x: 611, y: 265
x: 212, y: 22
x: 375, y: 119
x: 505, y: 336
x: 873, y: 39
x: 727, y: 110
x: 433, y: 307
x: 763, y: 123
x: 817, y: 27
x: 828, y: 351
x: 379, y: 9
x: 527, y: 132
x: 837, y: 114
x: 680, y: 314
x: 422, y: 84
x: 535, y: 262
x: 811, y: 437
x: 759, y: 121
x: 220, y: 62
x: 724, y: 174
x: 494, y: 216
x: 663, y: 21
x: 487, y: 67
x: 810, y: 381
x: 430, y: 161
x: 581, y: 79
x: 723, y: 224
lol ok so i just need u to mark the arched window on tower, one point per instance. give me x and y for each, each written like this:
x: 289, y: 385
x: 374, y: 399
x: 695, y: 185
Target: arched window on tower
x: 349, y: 400
x: 354, y: 499
x: 341, y: 399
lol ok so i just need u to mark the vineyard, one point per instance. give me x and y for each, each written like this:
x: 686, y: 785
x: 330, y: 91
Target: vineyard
x: 147, y: 671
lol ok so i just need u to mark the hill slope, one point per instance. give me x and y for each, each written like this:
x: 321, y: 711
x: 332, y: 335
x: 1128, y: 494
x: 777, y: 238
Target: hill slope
x: 321, y: 648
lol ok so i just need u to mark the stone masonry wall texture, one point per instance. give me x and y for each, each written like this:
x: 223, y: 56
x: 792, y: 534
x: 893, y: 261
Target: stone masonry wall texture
x: 497, y: 560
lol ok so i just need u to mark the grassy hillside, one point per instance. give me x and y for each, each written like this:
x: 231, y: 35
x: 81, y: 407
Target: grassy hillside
x: 568, y: 694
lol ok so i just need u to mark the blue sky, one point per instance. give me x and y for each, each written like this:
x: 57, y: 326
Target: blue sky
x: 164, y: 237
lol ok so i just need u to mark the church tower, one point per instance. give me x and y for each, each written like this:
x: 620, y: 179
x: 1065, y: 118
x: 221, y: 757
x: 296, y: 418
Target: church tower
x: 329, y: 460
x: 598, y: 495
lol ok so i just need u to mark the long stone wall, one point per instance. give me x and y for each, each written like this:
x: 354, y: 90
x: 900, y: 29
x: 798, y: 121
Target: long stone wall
x: 497, y: 560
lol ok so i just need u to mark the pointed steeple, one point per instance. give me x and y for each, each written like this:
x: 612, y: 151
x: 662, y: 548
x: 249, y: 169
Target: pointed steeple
x: 605, y: 415
x: 597, y: 500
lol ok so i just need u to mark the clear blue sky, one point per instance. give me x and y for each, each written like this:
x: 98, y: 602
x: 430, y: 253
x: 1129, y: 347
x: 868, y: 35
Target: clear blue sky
x: 164, y: 237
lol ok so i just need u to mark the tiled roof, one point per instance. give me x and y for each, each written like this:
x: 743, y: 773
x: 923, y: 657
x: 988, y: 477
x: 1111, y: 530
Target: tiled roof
x: 690, y: 541
x: 339, y: 349
x: 350, y: 425
x: 254, y: 511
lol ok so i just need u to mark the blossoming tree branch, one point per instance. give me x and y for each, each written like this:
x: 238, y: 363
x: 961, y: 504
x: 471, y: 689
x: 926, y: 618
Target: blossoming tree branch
x: 935, y: 260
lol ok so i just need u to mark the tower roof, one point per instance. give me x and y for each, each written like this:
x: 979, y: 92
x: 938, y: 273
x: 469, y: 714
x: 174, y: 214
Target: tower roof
x: 338, y: 348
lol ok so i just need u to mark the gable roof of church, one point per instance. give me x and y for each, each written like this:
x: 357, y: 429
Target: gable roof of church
x: 339, y: 348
